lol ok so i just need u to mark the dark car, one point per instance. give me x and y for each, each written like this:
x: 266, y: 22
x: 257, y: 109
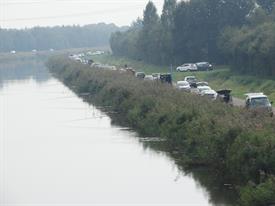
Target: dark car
x: 225, y: 95
x: 204, y: 66
x: 166, y: 78
x: 140, y: 75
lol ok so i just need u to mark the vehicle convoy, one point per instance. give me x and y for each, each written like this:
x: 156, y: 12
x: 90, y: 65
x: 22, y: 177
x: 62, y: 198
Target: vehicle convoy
x: 204, y: 66
x: 187, y: 67
x: 258, y: 101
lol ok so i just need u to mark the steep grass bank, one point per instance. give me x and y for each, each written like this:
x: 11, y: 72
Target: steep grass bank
x: 202, y: 132
x: 220, y: 78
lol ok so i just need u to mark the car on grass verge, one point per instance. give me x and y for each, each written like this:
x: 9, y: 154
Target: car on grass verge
x: 224, y: 95
x: 183, y: 85
x: 187, y: 67
x: 204, y: 66
x: 166, y: 78
x: 156, y: 76
x: 202, y: 89
x: 192, y: 80
x: 210, y: 94
x: 199, y: 84
x: 149, y: 77
x: 140, y: 75
x: 258, y: 101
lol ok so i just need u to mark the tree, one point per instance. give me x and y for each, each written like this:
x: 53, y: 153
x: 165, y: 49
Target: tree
x: 148, y: 41
x: 167, y: 26
x: 267, y: 5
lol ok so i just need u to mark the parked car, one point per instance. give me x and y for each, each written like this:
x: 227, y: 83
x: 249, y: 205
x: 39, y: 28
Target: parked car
x: 183, y: 85
x: 187, y: 67
x: 204, y: 66
x: 224, y: 95
x: 156, y: 76
x: 140, y: 75
x: 149, y: 77
x: 166, y: 78
x: 131, y: 71
x: 202, y: 89
x: 258, y: 101
x: 191, y: 80
x: 198, y: 84
x: 209, y: 93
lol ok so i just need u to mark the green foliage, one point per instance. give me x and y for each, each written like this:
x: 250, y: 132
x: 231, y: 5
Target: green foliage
x: 259, y: 195
x: 251, y: 49
x: 238, y: 32
x: 187, y: 31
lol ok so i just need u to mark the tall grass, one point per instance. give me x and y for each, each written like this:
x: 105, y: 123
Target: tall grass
x: 202, y: 132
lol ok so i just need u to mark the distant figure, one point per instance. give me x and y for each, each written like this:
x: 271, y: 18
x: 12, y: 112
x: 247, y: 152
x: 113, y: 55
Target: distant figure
x: 125, y: 66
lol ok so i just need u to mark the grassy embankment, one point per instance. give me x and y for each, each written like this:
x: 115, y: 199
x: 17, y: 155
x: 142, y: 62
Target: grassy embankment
x: 220, y: 78
x: 199, y: 131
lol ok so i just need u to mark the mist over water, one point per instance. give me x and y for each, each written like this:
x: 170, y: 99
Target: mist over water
x: 56, y: 149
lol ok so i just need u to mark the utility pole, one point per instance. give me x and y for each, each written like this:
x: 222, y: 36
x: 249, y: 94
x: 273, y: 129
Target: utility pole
x: 171, y: 71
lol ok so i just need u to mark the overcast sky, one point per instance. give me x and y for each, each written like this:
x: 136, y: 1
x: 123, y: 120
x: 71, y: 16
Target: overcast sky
x: 29, y: 13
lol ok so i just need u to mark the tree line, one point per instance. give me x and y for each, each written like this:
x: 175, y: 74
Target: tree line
x: 236, y: 32
x: 59, y: 37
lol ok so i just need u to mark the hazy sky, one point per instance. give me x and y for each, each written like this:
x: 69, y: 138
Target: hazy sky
x: 29, y: 13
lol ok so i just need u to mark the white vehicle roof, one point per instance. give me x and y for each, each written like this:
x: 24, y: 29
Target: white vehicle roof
x: 255, y: 95
x: 211, y: 91
x: 182, y: 82
x: 185, y: 64
x: 188, y: 77
x: 204, y: 87
x: 150, y: 77
x: 202, y: 82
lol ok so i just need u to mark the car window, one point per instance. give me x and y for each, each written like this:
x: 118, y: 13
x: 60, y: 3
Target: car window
x: 261, y: 101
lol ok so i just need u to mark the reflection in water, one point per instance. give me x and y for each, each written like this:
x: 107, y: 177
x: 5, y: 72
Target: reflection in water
x: 25, y: 70
x: 57, y: 149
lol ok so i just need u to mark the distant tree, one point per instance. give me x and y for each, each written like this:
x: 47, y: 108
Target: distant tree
x: 167, y: 26
x: 267, y: 5
x: 59, y: 37
x: 148, y: 41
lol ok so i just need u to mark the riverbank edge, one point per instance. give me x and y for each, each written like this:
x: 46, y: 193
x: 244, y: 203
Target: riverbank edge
x: 140, y: 111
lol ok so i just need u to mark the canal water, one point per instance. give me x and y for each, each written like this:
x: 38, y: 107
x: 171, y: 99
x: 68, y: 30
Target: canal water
x: 56, y: 149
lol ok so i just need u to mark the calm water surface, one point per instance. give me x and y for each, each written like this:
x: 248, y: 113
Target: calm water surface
x: 57, y: 150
